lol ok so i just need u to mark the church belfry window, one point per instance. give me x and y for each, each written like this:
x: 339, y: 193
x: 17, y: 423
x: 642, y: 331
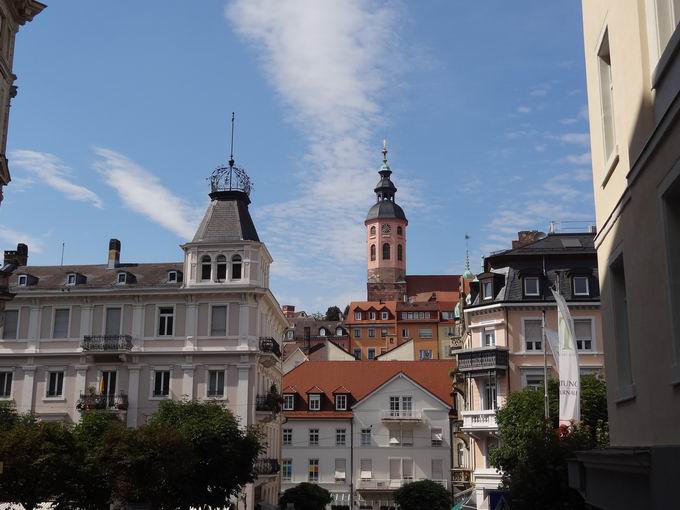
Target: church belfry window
x: 386, y: 251
x: 372, y: 231
x: 373, y: 252
x: 400, y: 252
x: 400, y: 231
x: 206, y: 267
x: 236, y: 267
x: 221, y: 261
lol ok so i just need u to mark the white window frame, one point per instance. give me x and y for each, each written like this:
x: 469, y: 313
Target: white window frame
x: 371, y: 332
x: 290, y: 334
x: 486, y: 296
x: 16, y: 336
x: 384, y: 316
x: 208, y: 370
x: 428, y: 333
x: 48, y: 372
x: 425, y: 354
x: 610, y: 153
x: 314, y: 402
x: 10, y: 395
x: 405, y: 333
x: 54, y: 322
x: 524, y: 336
x: 341, y: 475
x: 657, y: 47
x: 433, y: 440
x: 341, y: 402
x: 366, y: 469
x: 286, y: 470
x: 313, y: 436
x: 322, y: 332
x: 317, y: 473
x: 69, y: 277
x: 287, y: 436
x: 357, y: 316
x: 210, y: 320
x: 531, y: 372
x: 573, y: 285
x: 370, y: 353
x: 593, y: 347
x: 22, y: 281
x: 534, y: 279
x: 120, y: 322
x: 340, y: 437
x: 371, y: 316
x: 493, y: 336
x: 158, y: 320
x: 124, y: 278
x: 338, y: 332
x: 366, y: 439
x: 152, y: 382
x: 171, y: 279
x: 486, y: 395
x: 357, y: 353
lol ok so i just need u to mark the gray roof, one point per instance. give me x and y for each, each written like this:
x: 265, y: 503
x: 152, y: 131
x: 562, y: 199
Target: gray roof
x: 96, y: 276
x: 385, y: 209
x: 553, y: 244
x: 227, y: 219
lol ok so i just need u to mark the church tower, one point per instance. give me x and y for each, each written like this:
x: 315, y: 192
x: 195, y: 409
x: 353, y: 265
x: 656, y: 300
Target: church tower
x: 386, y: 241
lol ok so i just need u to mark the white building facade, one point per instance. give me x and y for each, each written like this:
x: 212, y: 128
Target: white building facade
x: 364, y: 429
x: 125, y: 337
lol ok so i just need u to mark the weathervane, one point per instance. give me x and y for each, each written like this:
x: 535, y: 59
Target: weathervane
x: 230, y: 178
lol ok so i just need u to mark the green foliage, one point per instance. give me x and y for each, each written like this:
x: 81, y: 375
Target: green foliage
x: 423, y: 495
x: 532, y: 454
x: 333, y: 313
x: 306, y: 496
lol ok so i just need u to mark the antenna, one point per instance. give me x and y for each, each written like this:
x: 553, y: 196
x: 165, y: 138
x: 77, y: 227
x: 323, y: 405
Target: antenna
x: 63, y: 245
x: 467, y: 253
x: 231, y: 154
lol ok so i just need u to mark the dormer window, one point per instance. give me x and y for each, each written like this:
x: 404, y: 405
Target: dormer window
x: 290, y: 334
x: 122, y: 279
x: 487, y: 290
x: 341, y: 402
x: 322, y: 332
x: 581, y: 286
x: 371, y: 316
x: 71, y: 279
x: 172, y: 276
x: 236, y: 267
x: 531, y: 286
x: 384, y: 316
x: 357, y: 315
x: 314, y: 402
x: 289, y: 402
x: 338, y: 332
x: 23, y: 280
x: 206, y: 267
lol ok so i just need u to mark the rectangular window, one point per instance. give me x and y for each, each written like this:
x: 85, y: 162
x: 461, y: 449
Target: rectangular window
x: 533, y: 335
x: 437, y: 469
x: 425, y: 354
x: 427, y: 315
x: 313, y: 470
x: 581, y: 287
x: 365, y: 437
x: 313, y: 437
x: 366, y: 469
x: 667, y: 18
x: 357, y: 333
x: 357, y: 353
x: 437, y: 436
x: 371, y: 316
x: 487, y: 290
x: 290, y: 334
x: 112, y: 325
x: 288, y: 402
x: 61, y: 318
x: 425, y: 333
x: 371, y: 353
x: 55, y: 384
x: 71, y: 279
x: 606, y: 97
x: 287, y: 437
x: 216, y: 383
x: 531, y: 286
x: 533, y: 379
x: 340, y: 470
x: 619, y: 301
x: 5, y: 384
x: 286, y: 469
x: 410, y: 315
x: 107, y: 383
x: 489, y: 396
x: 357, y: 316
x: 383, y: 332
x: 583, y: 329
x: 166, y: 319
x: 340, y: 437
x: 341, y: 402
x: 489, y: 337
x: 371, y: 332
x: 218, y: 322
x: 384, y: 316
x: 314, y: 402
x: 407, y: 437
x: 404, y: 332
x: 404, y: 316
x: 161, y: 383
x: 11, y: 328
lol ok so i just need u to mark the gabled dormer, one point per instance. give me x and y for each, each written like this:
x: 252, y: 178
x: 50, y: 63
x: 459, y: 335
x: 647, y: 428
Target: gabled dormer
x: 26, y: 280
x: 314, y: 398
x: 341, y: 397
x: 73, y: 279
x: 289, y: 395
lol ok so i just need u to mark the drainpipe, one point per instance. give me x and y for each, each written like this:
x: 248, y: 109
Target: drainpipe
x: 451, y: 441
x: 351, y: 462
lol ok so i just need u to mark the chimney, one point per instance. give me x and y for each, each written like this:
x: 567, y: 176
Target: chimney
x: 114, y: 253
x: 18, y: 257
x: 525, y: 237
x: 288, y: 311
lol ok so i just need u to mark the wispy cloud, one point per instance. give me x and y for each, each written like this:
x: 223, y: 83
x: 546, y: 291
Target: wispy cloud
x: 578, y: 159
x: 11, y: 237
x: 581, y: 116
x: 523, y: 109
x: 328, y: 63
x: 50, y: 170
x: 142, y: 192
x: 572, y: 138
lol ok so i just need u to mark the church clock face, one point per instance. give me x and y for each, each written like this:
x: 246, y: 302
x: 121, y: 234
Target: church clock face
x: 386, y: 229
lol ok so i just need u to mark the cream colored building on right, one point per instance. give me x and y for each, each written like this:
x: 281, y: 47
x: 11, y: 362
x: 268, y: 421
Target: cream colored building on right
x: 633, y: 73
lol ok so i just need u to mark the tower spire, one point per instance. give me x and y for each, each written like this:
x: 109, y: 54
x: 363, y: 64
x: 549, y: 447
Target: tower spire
x: 467, y: 275
x: 231, y: 152
x: 384, y: 150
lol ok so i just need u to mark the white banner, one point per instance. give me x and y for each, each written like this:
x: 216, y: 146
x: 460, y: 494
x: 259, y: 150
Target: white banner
x: 570, y: 394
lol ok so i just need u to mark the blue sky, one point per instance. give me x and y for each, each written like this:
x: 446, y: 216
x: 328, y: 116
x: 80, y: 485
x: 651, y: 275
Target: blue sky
x: 123, y: 111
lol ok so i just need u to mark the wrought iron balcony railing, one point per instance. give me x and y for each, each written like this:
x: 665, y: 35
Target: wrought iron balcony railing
x: 269, y: 403
x: 461, y: 475
x: 264, y: 467
x: 106, y: 343
x: 481, y: 359
x: 269, y: 345
x: 91, y: 401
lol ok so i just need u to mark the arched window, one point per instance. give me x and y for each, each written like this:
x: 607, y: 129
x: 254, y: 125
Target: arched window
x: 322, y: 332
x: 373, y: 252
x: 206, y: 267
x: 460, y: 453
x: 386, y: 251
x: 236, y: 267
x: 372, y: 231
x: 400, y: 231
x: 221, y: 262
x: 400, y: 252
x: 338, y: 332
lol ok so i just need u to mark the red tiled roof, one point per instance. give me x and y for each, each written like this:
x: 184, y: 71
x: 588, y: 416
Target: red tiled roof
x: 363, y: 377
x: 341, y: 389
x: 315, y: 389
x: 444, y: 287
x: 291, y: 415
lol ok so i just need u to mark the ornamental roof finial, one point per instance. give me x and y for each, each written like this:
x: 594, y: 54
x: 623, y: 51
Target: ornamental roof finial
x: 384, y: 150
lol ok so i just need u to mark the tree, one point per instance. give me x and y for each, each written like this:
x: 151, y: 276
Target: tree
x: 306, y: 496
x: 533, y: 456
x: 333, y: 313
x: 423, y: 495
x: 318, y: 316
x: 38, y: 460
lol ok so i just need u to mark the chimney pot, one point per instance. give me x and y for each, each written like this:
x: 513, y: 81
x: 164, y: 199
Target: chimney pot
x: 18, y: 257
x: 114, y: 253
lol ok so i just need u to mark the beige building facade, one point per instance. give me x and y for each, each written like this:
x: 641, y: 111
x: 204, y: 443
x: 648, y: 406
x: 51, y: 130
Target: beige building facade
x: 125, y: 337
x: 633, y: 74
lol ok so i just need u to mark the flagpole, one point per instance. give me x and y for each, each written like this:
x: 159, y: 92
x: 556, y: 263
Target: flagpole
x: 546, y: 404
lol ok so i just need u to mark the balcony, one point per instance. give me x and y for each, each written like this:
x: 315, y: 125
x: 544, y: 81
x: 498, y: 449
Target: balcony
x: 392, y: 485
x: 98, y: 401
x: 461, y: 476
x: 106, y: 343
x: 482, y: 359
x: 479, y: 421
x: 266, y: 467
x: 270, y: 346
x: 401, y: 415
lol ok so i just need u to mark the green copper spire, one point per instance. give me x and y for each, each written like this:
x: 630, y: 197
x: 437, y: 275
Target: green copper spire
x: 467, y: 275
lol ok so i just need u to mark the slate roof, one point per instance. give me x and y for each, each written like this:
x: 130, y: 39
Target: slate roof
x: 227, y: 219
x: 553, y: 244
x: 385, y: 209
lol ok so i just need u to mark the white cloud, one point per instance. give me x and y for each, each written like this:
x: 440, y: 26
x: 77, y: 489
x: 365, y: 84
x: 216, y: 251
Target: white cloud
x: 581, y: 116
x: 11, y: 238
x: 331, y: 63
x: 49, y: 169
x: 523, y: 109
x: 572, y: 138
x: 143, y: 193
x: 578, y: 159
